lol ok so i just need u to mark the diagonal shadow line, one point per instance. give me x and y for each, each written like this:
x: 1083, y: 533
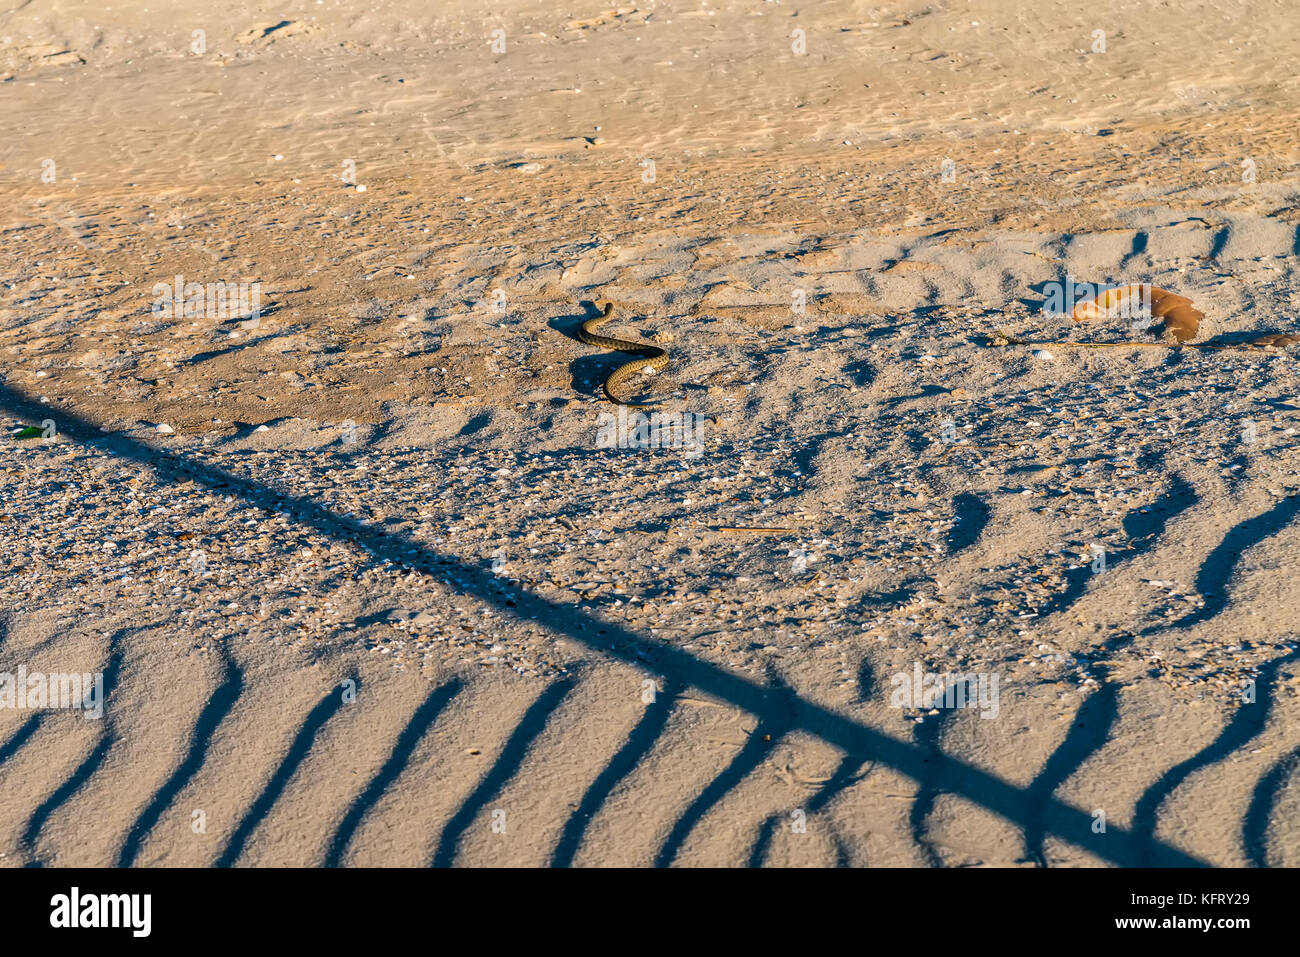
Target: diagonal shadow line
x: 507, y: 764
x: 843, y: 857
x: 763, y: 842
x: 1144, y: 527
x: 302, y: 744
x: 24, y: 733
x: 71, y: 786
x: 423, y: 718
x: 1220, y: 242
x: 1088, y: 732
x: 927, y: 737
x: 29, y: 727
x: 1216, y: 570
x: 84, y: 771
x: 776, y: 719
x: 210, y: 718
x: 844, y: 775
x: 1254, y: 828
x: 638, y: 744
x: 970, y: 782
x: 1248, y: 722
x: 21, y: 736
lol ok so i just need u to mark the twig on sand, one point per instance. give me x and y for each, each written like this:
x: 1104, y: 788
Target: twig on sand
x: 1003, y: 338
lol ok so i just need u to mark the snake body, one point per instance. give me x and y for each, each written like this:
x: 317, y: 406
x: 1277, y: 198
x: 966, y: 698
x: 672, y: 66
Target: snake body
x: 653, y: 358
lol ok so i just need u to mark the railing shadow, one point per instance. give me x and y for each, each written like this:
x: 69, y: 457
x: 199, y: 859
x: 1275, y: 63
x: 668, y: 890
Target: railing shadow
x: 1115, y: 844
x: 214, y: 712
x: 415, y: 729
x: 1249, y: 721
x: 86, y: 769
x: 634, y: 750
x: 302, y: 743
x: 1259, y: 815
x: 507, y: 764
x: 774, y: 723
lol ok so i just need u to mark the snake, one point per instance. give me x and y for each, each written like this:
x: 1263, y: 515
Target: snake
x: 653, y: 358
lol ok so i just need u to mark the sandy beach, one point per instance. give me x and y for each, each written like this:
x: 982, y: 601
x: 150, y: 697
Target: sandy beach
x: 322, y: 544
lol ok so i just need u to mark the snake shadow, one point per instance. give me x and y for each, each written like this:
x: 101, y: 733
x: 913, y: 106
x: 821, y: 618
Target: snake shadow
x: 587, y: 373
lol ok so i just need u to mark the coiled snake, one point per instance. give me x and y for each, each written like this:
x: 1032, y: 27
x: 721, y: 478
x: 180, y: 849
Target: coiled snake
x: 653, y: 359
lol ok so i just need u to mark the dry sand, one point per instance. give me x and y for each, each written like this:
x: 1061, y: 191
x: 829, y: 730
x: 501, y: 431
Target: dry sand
x: 362, y: 584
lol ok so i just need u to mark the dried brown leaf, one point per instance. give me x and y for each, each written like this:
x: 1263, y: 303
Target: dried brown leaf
x: 1181, y: 319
